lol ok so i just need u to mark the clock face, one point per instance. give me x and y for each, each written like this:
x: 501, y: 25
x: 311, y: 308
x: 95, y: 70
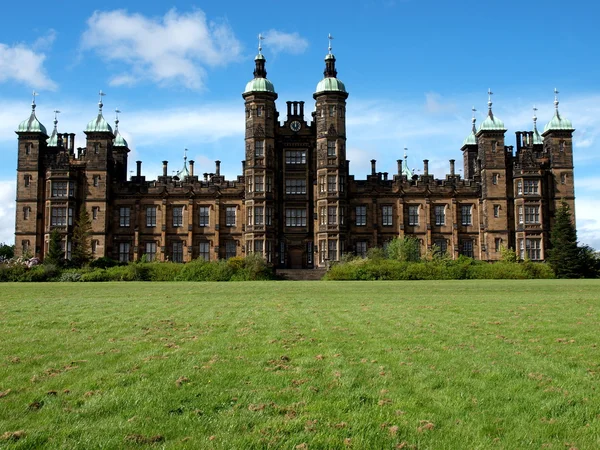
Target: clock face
x: 295, y: 125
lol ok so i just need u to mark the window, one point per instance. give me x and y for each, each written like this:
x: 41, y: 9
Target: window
x: 177, y: 252
x: 59, y: 188
x: 497, y: 244
x: 58, y: 217
x: 151, y: 251
x: 331, y: 110
x: 465, y: 215
x: 531, y: 187
x: 361, y: 216
x: 26, y: 212
x: 27, y: 180
x: 96, y: 147
x: 440, y: 214
x: 27, y: 149
x: 71, y: 189
x: 124, y: 251
x: 467, y: 247
x: 124, y: 213
x: 332, y: 250
x: 520, y: 214
x: 95, y: 210
x: 96, y: 180
x: 249, y: 213
x: 322, y: 183
x: 230, y: 216
x: 323, y: 250
x: 561, y: 146
x: 259, y: 149
x: 295, y: 186
x: 230, y: 249
x: 342, y: 183
x: 258, y: 246
x: 331, y: 187
x: 70, y: 218
x: 330, y: 148
x: 442, y: 245
x: 387, y: 218
x: 25, y: 247
x: 295, y: 157
x: 269, y: 183
x: 323, y: 215
x: 361, y: 249
x: 519, y: 187
x: 151, y: 216
x: 332, y: 215
x: 413, y: 215
x: 69, y: 249
x: 204, y: 251
x: 259, y: 183
x: 269, y: 216
x: 342, y: 215
x: 563, y: 178
x: 94, y: 246
x: 177, y: 216
x: 496, y: 210
x: 495, y: 178
x: 532, y: 214
x: 533, y: 249
x: 250, y: 184
x: 309, y: 252
x: 494, y: 146
x: 295, y: 217
x: 259, y: 215
x: 203, y: 216
x: 259, y: 111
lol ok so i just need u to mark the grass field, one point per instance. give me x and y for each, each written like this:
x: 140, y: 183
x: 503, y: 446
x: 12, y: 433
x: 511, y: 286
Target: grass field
x: 293, y: 365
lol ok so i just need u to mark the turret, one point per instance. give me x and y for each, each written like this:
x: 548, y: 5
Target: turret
x: 469, y: 149
x: 120, y: 151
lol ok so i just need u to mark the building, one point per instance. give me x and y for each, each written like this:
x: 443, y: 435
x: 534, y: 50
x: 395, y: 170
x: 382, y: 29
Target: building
x: 295, y: 202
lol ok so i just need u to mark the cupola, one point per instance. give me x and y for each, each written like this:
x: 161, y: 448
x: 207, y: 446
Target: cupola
x: 558, y: 122
x: 259, y: 83
x: 491, y: 122
x: 99, y: 124
x: 32, y: 124
x: 330, y: 83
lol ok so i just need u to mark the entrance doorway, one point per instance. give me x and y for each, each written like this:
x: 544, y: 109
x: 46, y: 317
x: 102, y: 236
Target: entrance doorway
x: 295, y: 258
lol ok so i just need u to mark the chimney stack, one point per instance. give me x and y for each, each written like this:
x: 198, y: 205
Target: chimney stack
x: 399, y: 162
x: 373, y: 161
x: 452, y: 167
x: 218, y: 168
x: 165, y: 168
x: 385, y: 176
x: 426, y: 167
x: 139, y: 168
x: 191, y: 167
x: 244, y: 168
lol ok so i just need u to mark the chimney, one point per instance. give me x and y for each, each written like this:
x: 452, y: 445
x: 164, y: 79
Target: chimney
x: 373, y: 161
x: 301, y: 109
x: 139, y: 168
x: 452, y: 167
x: 72, y: 143
x: 218, y: 168
x: 165, y: 168
x: 205, y: 176
x: 399, y: 162
x: 191, y: 167
x: 244, y: 168
x: 348, y: 166
x: 426, y: 167
x: 385, y: 176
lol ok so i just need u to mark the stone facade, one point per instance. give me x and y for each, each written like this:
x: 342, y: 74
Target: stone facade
x: 295, y: 202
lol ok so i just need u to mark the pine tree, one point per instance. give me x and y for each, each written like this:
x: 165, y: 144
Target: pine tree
x: 82, y: 253
x: 56, y: 254
x: 564, y: 255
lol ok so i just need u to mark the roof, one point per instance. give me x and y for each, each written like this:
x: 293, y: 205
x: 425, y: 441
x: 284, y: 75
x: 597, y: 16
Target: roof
x: 98, y: 125
x: 330, y: 84
x: 119, y: 140
x: 558, y: 123
x: 492, y: 122
x: 259, y: 85
x: 32, y: 124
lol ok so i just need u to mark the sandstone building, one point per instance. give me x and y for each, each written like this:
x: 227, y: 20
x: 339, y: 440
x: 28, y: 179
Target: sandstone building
x: 295, y: 202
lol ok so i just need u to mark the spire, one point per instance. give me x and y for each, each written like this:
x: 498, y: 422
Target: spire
x: 100, y: 104
x: 117, y: 111
x: 556, y: 113
x: 119, y: 140
x: 33, y: 105
x: 184, y: 172
x: 491, y: 123
x: 473, y: 120
x: 259, y: 61
x: 405, y: 170
x: 53, y: 139
x: 537, y: 139
x: 557, y: 122
x: 490, y: 93
x: 534, y: 118
x: 330, y: 71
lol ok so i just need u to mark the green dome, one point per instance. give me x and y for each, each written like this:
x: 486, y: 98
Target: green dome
x: 330, y: 84
x: 492, y: 123
x: 119, y: 140
x: 558, y: 123
x: 470, y: 140
x: 259, y: 85
x: 98, y: 125
x: 53, y: 140
x: 32, y: 125
x: 537, y: 139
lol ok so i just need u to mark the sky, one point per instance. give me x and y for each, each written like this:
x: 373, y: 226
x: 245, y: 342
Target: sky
x: 414, y: 69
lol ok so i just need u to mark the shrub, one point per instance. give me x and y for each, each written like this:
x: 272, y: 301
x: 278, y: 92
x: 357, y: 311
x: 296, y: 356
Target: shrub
x: 163, y: 271
x: 103, y: 263
x: 70, y: 276
x: 95, y: 275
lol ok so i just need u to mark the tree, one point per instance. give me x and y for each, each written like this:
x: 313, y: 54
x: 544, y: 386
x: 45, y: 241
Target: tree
x: 81, y: 253
x: 407, y: 249
x: 590, y: 262
x: 564, y: 255
x: 56, y: 254
x: 6, y: 251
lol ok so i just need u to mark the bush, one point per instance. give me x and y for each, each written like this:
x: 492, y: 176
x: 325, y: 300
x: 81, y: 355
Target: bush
x: 103, y: 263
x: 95, y: 275
x: 70, y: 276
x: 163, y: 271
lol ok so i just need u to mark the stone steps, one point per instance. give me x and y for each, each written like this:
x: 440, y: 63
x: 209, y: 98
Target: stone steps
x: 301, y: 274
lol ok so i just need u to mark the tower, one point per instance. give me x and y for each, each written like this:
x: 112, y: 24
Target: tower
x: 120, y: 151
x: 99, y: 161
x: 30, y: 186
x: 491, y: 220
x: 260, y: 162
x: 469, y: 149
x: 332, y: 169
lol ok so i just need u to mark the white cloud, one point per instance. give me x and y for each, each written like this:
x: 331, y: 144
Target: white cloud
x: 281, y: 42
x: 435, y: 104
x: 25, y: 64
x: 7, y: 211
x: 174, y: 48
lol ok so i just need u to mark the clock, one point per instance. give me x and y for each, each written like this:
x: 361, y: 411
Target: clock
x: 295, y: 126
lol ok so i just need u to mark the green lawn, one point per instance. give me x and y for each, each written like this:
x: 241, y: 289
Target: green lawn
x: 439, y: 365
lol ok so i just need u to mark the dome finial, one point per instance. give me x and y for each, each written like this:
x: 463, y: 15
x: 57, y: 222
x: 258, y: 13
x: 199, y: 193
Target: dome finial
x: 405, y: 156
x: 260, y: 39
x: 490, y: 93
x: 100, y: 104
x: 556, y: 100
x: 117, y: 111
x: 330, y: 37
x: 33, y: 95
x: 185, y: 150
x: 534, y: 117
x: 56, y: 113
x: 473, y: 120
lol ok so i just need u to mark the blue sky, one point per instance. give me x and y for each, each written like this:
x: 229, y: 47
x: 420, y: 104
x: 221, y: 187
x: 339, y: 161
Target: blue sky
x: 413, y: 69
